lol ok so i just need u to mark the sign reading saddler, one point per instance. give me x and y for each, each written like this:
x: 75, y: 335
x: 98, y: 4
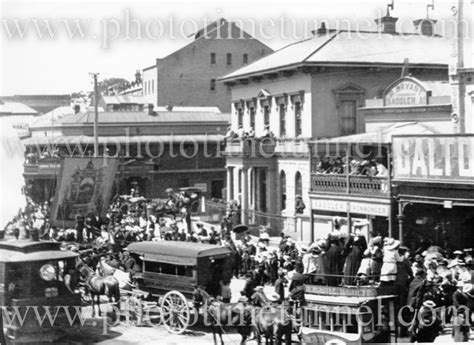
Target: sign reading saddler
x: 437, y: 158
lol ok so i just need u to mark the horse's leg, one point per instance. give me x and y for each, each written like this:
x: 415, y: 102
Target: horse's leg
x: 220, y: 336
x: 98, y: 304
x: 92, y: 304
x: 214, y: 335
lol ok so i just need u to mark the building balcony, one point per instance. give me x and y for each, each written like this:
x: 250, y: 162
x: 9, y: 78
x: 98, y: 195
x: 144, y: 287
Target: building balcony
x: 357, y: 185
x: 251, y: 147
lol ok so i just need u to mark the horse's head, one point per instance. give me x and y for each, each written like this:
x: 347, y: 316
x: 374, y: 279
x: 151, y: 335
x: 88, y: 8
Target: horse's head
x: 259, y: 299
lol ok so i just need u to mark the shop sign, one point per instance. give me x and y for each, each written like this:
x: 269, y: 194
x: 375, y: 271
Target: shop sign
x: 372, y: 209
x: 49, y: 168
x: 448, y: 204
x: 405, y: 92
x: 353, y: 207
x: 329, y: 205
x: 434, y: 158
x: 201, y: 186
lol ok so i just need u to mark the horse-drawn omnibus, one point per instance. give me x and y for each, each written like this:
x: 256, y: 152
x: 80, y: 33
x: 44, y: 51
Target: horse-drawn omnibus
x: 32, y: 286
x: 170, y: 270
x: 348, y: 315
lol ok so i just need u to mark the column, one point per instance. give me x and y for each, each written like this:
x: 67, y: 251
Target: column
x: 230, y: 183
x: 245, y: 195
x: 256, y: 176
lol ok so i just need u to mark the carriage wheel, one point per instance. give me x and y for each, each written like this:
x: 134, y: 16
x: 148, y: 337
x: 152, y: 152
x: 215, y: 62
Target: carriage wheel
x: 175, y: 312
x: 134, y: 310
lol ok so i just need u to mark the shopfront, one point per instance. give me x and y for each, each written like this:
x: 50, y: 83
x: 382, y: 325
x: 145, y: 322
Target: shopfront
x: 434, y: 186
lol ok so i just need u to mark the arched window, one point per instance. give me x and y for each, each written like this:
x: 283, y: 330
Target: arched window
x: 283, y: 190
x: 298, y: 184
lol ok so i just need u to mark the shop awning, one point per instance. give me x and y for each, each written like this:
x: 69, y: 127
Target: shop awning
x: 383, y: 136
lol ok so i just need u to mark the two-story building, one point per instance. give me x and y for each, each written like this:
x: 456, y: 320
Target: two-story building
x: 156, y: 149
x: 309, y: 90
x: 188, y: 76
x: 351, y: 176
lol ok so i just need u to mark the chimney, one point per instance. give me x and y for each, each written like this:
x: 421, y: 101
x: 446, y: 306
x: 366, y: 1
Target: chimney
x: 322, y: 30
x: 151, y: 110
x: 169, y: 108
x: 387, y: 24
x: 425, y: 26
x: 77, y: 108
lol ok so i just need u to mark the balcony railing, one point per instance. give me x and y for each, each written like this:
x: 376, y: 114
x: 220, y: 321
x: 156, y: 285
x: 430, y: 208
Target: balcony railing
x: 250, y: 147
x: 352, y: 184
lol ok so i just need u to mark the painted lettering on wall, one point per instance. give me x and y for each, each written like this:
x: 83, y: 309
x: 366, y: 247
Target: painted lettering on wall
x: 449, y: 158
x: 405, y: 92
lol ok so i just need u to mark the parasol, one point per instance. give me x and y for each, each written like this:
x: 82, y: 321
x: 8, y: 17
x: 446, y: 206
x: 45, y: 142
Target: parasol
x: 434, y: 249
x: 238, y: 229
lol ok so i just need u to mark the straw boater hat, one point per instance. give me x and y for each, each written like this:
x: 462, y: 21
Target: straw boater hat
x: 429, y: 304
x: 258, y: 288
x: 468, y: 289
x: 274, y: 297
x: 457, y: 252
x: 391, y: 243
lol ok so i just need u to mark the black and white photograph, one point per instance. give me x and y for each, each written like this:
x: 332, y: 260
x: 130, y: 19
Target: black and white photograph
x: 272, y: 172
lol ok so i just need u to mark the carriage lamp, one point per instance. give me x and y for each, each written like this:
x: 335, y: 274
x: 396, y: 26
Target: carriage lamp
x: 48, y: 272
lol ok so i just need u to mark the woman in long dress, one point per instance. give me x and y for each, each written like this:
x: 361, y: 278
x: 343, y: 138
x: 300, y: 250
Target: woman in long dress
x: 388, y: 274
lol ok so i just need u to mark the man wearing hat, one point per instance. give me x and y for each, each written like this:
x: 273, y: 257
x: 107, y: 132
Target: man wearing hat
x: 280, y: 284
x: 427, y: 325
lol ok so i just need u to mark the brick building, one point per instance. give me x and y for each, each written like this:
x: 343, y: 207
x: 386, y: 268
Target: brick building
x: 188, y: 77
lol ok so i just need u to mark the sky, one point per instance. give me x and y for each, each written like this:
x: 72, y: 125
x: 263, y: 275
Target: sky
x: 116, y: 38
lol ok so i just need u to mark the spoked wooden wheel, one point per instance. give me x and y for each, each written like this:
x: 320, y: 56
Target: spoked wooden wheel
x: 175, y: 312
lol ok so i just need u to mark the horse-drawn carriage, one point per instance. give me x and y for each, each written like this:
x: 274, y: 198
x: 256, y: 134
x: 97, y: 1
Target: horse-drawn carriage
x: 170, y: 272
x: 32, y: 286
x: 349, y: 315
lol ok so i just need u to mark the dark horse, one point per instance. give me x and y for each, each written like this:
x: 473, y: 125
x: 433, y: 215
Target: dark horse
x: 218, y: 314
x: 98, y: 286
x: 273, y: 321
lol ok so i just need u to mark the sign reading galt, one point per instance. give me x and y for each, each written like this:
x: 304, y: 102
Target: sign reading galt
x: 435, y: 158
x: 406, y: 91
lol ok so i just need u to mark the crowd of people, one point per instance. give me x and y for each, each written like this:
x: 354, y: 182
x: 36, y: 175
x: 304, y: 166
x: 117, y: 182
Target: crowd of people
x: 365, y: 167
x: 429, y: 277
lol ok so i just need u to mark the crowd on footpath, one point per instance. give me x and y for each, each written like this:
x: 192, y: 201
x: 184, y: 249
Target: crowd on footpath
x: 427, y: 278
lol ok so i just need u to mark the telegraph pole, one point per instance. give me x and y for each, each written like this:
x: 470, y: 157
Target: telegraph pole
x: 96, y: 115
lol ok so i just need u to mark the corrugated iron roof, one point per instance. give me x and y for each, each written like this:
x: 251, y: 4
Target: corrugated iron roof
x: 191, y: 117
x: 354, y: 48
x: 83, y: 139
x: 384, y: 135
x: 124, y: 99
x: 53, y: 117
x: 15, y: 108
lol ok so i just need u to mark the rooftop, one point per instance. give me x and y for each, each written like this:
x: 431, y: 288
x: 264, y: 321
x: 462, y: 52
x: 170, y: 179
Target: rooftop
x: 357, y: 49
x: 15, y: 108
x: 123, y: 99
x: 143, y: 117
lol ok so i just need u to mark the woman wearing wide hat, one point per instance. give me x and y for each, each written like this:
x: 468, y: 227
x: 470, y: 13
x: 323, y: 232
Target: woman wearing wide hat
x: 391, y: 256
